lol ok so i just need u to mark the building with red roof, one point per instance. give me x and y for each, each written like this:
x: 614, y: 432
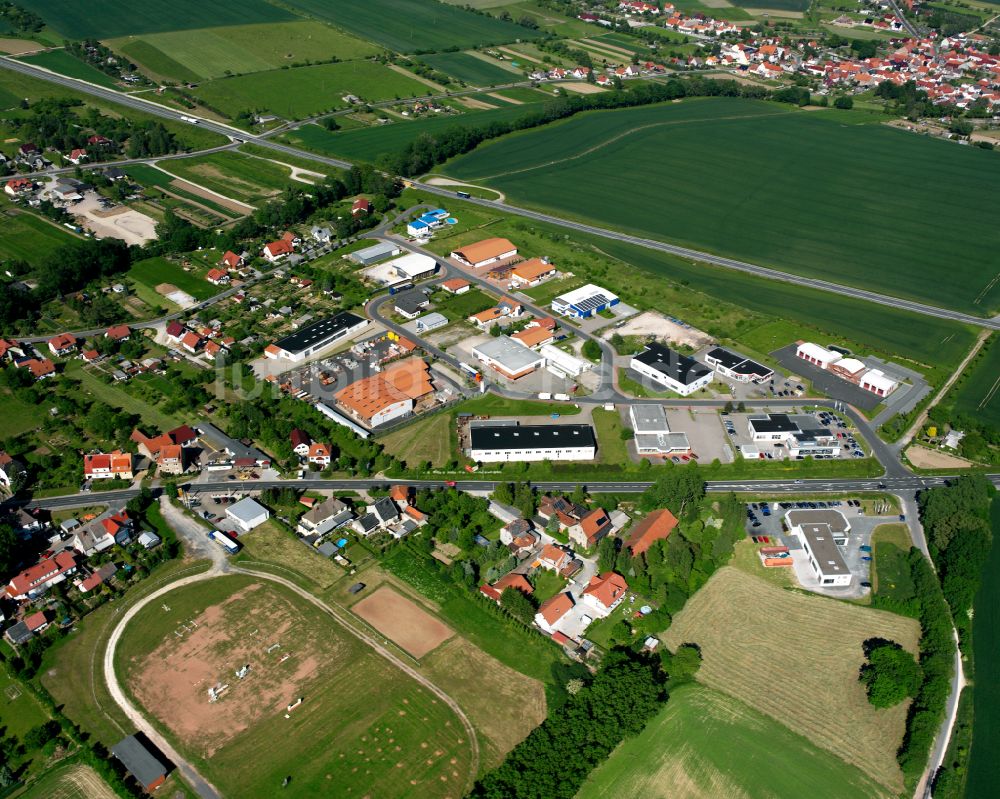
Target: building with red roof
x: 115, y: 465
x: 656, y: 526
x: 551, y: 611
x: 36, y: 580
x: 604, y: 592
x: 118, y: 333
x: 63, y: 344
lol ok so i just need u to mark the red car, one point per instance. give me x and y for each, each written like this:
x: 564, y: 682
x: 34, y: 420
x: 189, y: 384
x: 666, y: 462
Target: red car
x: 450, y: 483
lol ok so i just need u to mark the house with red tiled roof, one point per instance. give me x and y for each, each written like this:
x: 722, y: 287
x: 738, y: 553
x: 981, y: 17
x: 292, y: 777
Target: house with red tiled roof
x: 77, y: 155
x: 115, y: 465
x: 361, y: 206
x: 277, y: 250
x: 217, y: 277
x: 36, y: 580
x: 175, y: 331
x: 554, y: 558
x: 118, y: 333
x: 40, y: 368
x: 231, y: 260
x: 15, y: 187
x: 10, y: 350
x: 604, y: 592
x: 98, y: 141
x: 656, y: 526
x: 300, y: 442
x: 591, y: 528
x: 170, y: 460
x: 518, y: 582
x: 63, y: 344
x: 319, y: 453
x: 531, y: 273
x: 533, y: 336
x: 192, y: 342
x: 551, y: 611
x: 456, y: 285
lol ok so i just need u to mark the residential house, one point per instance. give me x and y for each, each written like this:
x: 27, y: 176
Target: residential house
x: 36, y: 580
x: 655, y: 526
x: 552, y: 610
x: 18, y: 187
x: 119, y: 526
x: 217, y: 277
x: 379, y: 515
x: 115, y: 465
x: 319, y: 453
x: 232, y: 261
x: 10, y: 350
x: 118, y: 333
x: 98, y: 576
x: 591, y: 528
x: 276, y: 250
x: 534, y: 336
x: 361, y: 206
x: 40, y: 368
x: 170, y: 460
x: 531, y: 273
x: 63, y: 344
x: 321, y: 235
x: 92, y: 539
x: 324, y: 517
x: 10, y: 469
x: 300, y: 442
x: 554, y: 558
x: 192, y: 342
x: 77, y: 155
x: 518, y: 582
x: 456, y: 285
x: 604, y: 593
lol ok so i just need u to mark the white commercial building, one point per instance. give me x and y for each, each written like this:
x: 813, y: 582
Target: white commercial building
x: 247, y: 514
x: 508, y: 357
x: 562, y: 363
x: 310, y: 340
x: 850, y: 369
x: 677, y: 372
x: 412, y: 266
x: 584, y: 302
x: 737, y: 367
x: 799, y: 434
x: 877, y: 382
x: 817, y: 355
x: 492, y: 442
x: 652, y: 433
x: 821, y: 533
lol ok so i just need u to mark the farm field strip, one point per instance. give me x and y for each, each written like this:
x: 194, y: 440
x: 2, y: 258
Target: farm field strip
x: 231, y: 174
x: 708, y: 184
x: 979, y: 392
x: 733, y: 619
x: 63, y: 63
x: 471, y: 69
x: 26, y: 237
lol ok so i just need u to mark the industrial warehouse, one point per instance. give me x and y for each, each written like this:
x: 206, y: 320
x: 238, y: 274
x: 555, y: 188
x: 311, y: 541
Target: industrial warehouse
x: 500, y: 441
x: 310, y: 340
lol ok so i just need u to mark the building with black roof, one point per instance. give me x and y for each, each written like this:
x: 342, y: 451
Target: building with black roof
x: 411, y: 304
x: 141, y: 759
x: 680, y: 373
x: 737, y: 367
x: 309, y: 340
x: 514, y: 442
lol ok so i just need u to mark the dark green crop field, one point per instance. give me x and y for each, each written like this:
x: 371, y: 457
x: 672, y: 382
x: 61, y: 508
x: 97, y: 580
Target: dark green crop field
x: 777, y: 5
x: 65, y: 64
x: 110, y: 18
x: 414, y: 25
x: 859, y: 204
x: 367, y: 144
x: 471, y: 69
x: 978, y: 394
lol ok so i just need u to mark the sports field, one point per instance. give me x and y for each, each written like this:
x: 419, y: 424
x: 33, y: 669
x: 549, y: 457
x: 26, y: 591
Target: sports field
x: 795, y: 657
x: 65, y: 64
x: 979, y: 392
x: 26, y: 237
x: 70, y: 782
x: 215, y: 52
x: 403, y: 621
x: 363, y: 728
x: 303, y: 91
x: 409, y: 25
x: 241, y: 177
x: 111, y: 18
x: 471, y: 69
x: 706, y: 745
x: 368, y: 144
x: 754, y: 180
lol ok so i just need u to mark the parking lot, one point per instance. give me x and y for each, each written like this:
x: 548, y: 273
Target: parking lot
x: 766, y: 520
x: 736, y: 429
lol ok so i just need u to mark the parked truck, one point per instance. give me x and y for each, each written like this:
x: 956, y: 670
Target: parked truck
x: 224, y: 541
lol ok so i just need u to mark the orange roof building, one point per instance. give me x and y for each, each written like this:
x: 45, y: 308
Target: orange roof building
x: 552, y: 610
x: 605, y: 592
x: 657, y: 526
x: 533, y: 336
x: 118, y: 332
x: 485, y: 252
x: 531, y: 272
x: 456, y: 285
x: 115, y: 465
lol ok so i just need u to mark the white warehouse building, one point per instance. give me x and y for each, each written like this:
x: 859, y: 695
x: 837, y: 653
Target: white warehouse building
x: 677, y: 372
x: 821, y: 533
x: 498, y: 442
x: 562, y: 363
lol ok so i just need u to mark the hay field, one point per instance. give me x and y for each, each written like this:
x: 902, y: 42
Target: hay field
x: 701, y: 173
x: 231, y: 174
x: 71, y: 782
x: 215, y: 52
x: 795, y: 657
x: 362, y: 729
x: 426, y: 440
x: 403, y: 621
x: 706, y: 745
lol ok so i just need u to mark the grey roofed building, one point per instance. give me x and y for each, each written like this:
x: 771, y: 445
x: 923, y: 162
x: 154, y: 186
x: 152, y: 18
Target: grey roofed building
x: 374, y: 254
x: 148, y: 539
x: 69, y: 525
x: 411, y: 303
x: 320, y: 234
x: 18, y: 633
x: 737, y: 366
x: 429, y: 322
x: 321, y: 333
x: 216, y: 439
x: 366, y: 524
x: 140, y: 762
x: 512, y: 356
x: 327, y: 549
x: 773, y: 423
x: 324, y: 517
x: 248, y: 513
x: 385, y: 509
x: 681, y: 368
x: 834, y: 519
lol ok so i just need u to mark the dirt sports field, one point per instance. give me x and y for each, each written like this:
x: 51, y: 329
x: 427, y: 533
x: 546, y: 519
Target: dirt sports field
x: 795, y: 657
x: 403, y: 621
x: 362, y: 729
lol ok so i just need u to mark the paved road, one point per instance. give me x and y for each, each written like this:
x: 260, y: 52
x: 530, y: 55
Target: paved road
x: 149, y: 107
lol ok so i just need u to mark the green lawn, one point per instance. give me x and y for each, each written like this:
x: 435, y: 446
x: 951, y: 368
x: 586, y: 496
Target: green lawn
x: 153, y: 60
x: 238, y: 49
x: 610, y: 446
x: 493, y: 405
x: 587, y: 167
x: 361, y: 718
x: 150, y: 415
x: 715, y: 746
x: 18, y: 416
x: 26, y: 237
x: 19, y: 709
x: 461, y: 306
x: 240, y: 177
x: 154, y: 271
x: 285, y: 158
x: 111, y: 18
x: 891, y: 578
x: 978, y: 392
x: 303, y: 91
x: 66, y: 64
x: 410, y: 25
x: 367, y: 144
x: 471, y: 69
x: 547, y: 584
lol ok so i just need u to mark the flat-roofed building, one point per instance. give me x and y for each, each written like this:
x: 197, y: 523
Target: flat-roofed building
x: 819, y: 532
x: 508, y: 357
x: 485, y: 252
x: 562, y: 363
x: 375, y: 253
x: 493, y: 442
x: 584, y: 302
x: 737, y: 367
x: 309, y: 340
x: 412, y: 266
x: 679, y: 373
x: 800, y: 434
x: 652, y: 433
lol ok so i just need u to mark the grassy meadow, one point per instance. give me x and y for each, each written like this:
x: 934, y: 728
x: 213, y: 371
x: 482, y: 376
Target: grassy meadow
x: 704, y: 745
x: 795, y: 657
x: 241, y: 177
x: 705, y: 173
x: 111, y: 18
x: 410, y: 25
x: 978, y: 393
x: 26, y: 237
x: 302, y: 91
x: 215, y: 52
x: 154, y: 271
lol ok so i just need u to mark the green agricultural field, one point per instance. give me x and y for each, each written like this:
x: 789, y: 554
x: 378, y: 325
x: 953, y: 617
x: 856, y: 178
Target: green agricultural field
x: 462, y: 306
x: 66, y: 64
x: 471, y: 69
x: 216, y: 52
x: 716, y: 746
x: 367, y: 144
x: 241, y: 177
x: 409, y: 25
x: 26, y: 237
x: 155, y: 61
x: 777, y: 5
x: 426, y: 440
x: 154, y: 271
x: 111, y: 18
x: 303, y: 91
x: 691, y: 7
x: 18, y: 416
x: 702, y: 173
x: 363, y: 726
x: 979, y: 392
